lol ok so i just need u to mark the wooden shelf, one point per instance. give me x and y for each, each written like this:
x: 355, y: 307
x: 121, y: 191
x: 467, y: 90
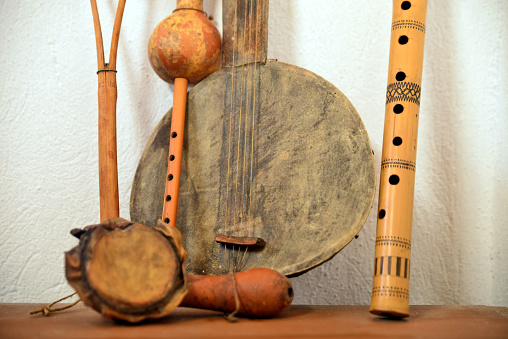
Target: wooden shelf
x: 296, y: 322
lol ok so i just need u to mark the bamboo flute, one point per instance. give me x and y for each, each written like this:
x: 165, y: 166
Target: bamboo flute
x: 182, y: 55
x: 107, y: 95
x: 390, y: 291
x: 175, y: 152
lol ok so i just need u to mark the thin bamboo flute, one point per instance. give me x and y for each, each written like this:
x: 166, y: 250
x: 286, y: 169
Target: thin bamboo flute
x: 175, y: 152
x: 390, y: 292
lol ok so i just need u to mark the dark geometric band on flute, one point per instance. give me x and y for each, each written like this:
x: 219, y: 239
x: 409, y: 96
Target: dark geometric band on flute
x: 398, y: 163
x: 391, y: 291
x: 384, y: 240
x: 392, y: 265
x: 403, y: 91
x: 409, y: 24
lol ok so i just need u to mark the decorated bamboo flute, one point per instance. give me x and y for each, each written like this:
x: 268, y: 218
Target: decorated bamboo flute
x: 107, y: 94
x: 390, y: 291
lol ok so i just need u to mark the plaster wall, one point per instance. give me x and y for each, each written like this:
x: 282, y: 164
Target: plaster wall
x: 48, y: 135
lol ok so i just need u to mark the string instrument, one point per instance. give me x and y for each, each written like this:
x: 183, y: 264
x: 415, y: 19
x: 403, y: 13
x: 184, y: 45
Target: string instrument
x: 107, y: 94
x: 130, y: 271
x: 277, y: 168
x: 390, y: 291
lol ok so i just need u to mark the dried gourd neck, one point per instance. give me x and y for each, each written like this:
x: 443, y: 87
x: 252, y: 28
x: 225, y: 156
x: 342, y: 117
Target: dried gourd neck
x: 189, y: 4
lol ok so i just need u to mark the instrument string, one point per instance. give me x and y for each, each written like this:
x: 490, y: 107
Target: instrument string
x: 248, y: 86
x: 240, y: 207
x: 243, y: 83
x: 254, y: 105
x: 226, y: 227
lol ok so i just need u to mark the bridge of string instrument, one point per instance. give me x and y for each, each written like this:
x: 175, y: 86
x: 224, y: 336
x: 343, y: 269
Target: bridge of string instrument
x: 241, y: 241
x: 239, y: 234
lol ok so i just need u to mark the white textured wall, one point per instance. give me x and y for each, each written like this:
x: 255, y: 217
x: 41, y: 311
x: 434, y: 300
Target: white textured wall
x: 48, y: 134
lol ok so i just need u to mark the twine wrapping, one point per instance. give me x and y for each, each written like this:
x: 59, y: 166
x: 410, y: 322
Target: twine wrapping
x: 46, y: 310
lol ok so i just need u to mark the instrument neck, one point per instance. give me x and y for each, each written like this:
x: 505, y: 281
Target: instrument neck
x: 245, y: 32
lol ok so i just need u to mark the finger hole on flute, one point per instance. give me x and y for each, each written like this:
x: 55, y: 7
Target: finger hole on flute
x: 403, y: 39
x: 394, y: 179
x: 397, y: 141
x: 400, y: 76
x: 397, y: 109
x: 405, y: 5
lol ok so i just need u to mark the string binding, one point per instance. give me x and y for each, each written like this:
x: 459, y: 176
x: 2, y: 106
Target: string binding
x: 191, y: 9
x: 107, y: 70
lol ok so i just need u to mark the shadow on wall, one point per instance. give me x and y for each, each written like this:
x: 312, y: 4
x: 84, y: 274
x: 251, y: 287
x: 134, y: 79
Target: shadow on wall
x: 436, y: 251
x: 459, y: 230
x: 143, y: 73
x: 500, y: 195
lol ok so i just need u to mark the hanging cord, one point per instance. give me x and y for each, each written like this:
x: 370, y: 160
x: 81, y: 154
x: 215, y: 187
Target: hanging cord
x: 231, y: 316
x: 46, y: 310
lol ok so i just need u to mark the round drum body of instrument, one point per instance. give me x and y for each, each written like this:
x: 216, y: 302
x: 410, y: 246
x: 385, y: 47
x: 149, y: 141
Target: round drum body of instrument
x: 271, y: 151
x: 126, y: 270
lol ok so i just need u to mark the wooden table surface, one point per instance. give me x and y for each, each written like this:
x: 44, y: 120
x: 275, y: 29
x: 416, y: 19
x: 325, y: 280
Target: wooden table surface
x: 296, y: 322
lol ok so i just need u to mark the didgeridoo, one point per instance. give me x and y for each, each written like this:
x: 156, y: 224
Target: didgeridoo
x: 390, y: 291
x: 107, y: 94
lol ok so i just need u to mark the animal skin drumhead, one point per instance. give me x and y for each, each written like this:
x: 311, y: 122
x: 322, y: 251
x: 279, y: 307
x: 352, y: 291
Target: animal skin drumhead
x: 271, y: 151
